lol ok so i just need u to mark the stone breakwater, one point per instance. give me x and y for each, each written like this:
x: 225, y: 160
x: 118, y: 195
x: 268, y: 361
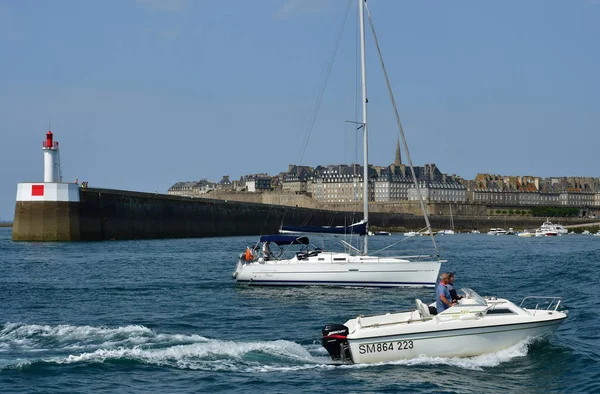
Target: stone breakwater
x: 106, y: 214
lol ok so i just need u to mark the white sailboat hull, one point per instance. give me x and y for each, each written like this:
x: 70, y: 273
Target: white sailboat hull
x: 457, y: 342
x: 339, y: 269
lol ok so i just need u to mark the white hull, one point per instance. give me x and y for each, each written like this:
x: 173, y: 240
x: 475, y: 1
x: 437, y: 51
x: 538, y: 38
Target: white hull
x: 472, y: 327
x: 457, y: 342
x: 339, y: 269
x: 526, y: 234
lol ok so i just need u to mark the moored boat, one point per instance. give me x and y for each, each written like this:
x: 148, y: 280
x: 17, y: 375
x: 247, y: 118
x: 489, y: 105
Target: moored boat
x: 548, y: 229
x: 525, y: 233
x: 474, y: 326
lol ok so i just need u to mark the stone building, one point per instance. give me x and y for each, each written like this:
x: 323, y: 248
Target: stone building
x: 192, y: 188
x: 257, y: 182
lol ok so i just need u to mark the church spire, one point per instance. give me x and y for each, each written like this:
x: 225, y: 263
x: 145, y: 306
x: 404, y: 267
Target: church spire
x: 398, y: 159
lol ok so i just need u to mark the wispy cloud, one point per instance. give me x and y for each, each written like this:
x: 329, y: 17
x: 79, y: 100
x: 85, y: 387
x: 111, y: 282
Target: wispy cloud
x: 293, y: 8
x: 164, y: 5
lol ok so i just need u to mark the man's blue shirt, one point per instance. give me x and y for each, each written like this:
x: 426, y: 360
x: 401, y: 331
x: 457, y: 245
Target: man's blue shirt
x: 441, y: 290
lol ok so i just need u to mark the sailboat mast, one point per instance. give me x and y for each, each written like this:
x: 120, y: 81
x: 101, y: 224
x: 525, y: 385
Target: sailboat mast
x: 363, y: 69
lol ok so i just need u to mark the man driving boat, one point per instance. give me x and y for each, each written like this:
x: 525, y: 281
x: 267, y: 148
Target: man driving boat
x: 443, y: 299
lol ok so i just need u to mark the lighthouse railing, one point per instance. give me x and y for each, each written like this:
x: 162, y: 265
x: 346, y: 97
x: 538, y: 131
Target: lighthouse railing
x: 54, y: 145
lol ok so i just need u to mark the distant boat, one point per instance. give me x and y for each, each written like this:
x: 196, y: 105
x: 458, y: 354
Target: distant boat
x: 411, y: 234
x: 547, y: 229
x: 383, y: 233
x: 585, y: 232
x: 475, y: 232
x: 451, y: 231
x: 496, y: 231
x: 525, y: 233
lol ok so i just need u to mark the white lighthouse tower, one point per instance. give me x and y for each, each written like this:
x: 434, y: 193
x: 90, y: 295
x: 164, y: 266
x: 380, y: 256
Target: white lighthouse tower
x: 48, y: 210
x: 51, y: 159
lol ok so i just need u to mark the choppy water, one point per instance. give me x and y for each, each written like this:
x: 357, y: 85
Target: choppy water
x: 165, y: 316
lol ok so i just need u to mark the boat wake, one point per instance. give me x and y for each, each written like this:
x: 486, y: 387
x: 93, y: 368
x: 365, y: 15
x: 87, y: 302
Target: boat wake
x: 24, y: 346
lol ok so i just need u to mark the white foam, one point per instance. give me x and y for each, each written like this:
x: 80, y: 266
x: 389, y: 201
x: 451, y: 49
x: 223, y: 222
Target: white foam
x: 20, y: 330
x: 211, y: 348
x: 472, y: 363
x: 30, y: 336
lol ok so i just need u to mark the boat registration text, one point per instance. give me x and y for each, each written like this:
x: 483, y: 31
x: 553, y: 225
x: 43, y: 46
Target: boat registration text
x: 385, y: 347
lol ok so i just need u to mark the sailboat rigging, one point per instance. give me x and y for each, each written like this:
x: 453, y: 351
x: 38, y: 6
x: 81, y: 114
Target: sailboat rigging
x: 314, y: 266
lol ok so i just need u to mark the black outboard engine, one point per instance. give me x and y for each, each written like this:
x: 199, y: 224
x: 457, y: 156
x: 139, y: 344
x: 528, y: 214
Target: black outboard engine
x: 334, y: 340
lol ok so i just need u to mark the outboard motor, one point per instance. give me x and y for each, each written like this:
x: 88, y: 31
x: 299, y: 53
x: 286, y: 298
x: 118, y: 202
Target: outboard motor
x: 334, y: 340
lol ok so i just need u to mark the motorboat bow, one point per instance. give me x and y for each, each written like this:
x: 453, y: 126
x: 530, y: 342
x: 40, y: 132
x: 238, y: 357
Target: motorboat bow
x: 475, y: 326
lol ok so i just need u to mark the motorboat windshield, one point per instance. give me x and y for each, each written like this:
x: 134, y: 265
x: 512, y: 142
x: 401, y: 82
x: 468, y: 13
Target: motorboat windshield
x: 473, y: 296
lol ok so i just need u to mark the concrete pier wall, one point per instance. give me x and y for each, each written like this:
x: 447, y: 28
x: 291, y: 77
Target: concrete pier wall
x: 46, y: 221
x: 115, y: 214
x: 105, y: 214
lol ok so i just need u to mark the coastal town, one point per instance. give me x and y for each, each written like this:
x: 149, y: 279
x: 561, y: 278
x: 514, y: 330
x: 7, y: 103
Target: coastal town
x: 342, y: 183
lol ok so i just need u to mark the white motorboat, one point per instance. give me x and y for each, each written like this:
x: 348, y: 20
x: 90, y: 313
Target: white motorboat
x: 474, y: 326
x: 525, y: 233
x: 585, y: 232
x: 547, y: 229
x: 496, y: 231
x: 353, y: 266
x: 597, y: 234
x: 475, y: 232
x: 411, y: 234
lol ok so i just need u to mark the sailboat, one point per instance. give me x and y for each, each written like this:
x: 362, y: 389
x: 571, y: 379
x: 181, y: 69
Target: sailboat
x: 297, y: 262
x: 451, y: 231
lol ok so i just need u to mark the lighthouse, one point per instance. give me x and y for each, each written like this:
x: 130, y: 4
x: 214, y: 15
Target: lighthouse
x: 51, y: 159
x: 48, y: 210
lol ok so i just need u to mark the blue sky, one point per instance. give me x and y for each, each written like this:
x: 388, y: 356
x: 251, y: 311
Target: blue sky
x: 145, y: 93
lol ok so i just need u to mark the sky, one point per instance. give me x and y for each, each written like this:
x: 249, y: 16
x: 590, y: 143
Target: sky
x: 144, y: 93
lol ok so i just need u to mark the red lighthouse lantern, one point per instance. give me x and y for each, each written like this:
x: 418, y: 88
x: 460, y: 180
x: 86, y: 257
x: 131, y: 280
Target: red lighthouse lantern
x: 48, y: 140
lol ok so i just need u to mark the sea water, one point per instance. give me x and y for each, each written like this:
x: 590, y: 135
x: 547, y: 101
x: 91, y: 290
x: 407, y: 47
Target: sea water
x: 166, y: 316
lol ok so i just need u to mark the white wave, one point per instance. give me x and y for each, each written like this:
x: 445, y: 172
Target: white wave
x: 30, y: 336
x: 204, y: 350
x: 20, y: 330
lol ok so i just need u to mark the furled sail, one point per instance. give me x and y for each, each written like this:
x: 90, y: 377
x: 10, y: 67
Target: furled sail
x: 359, y: 228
